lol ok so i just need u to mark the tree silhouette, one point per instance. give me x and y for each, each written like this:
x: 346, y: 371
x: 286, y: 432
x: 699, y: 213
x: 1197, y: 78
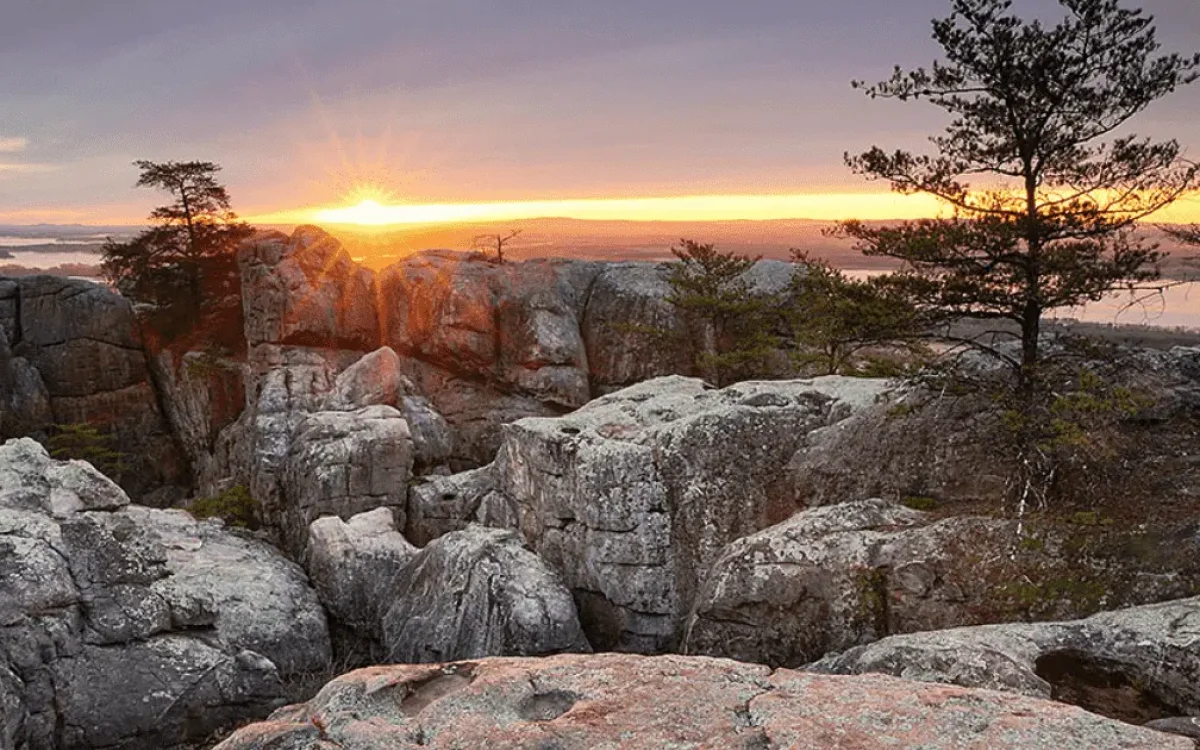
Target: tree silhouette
x: 495, y: 242
x: 188, y: 259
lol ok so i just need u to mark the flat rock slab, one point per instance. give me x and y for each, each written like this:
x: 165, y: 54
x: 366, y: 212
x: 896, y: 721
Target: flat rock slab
x: 635, y: 702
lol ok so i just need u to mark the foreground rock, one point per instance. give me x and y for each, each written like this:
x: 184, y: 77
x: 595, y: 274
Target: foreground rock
x: 133, y: 627
x: 647, y: 703
x: 73, y: 355
x: 844, y: 575
x: 1137, y: 664
x: 476, y: 593
x: 633, y: 496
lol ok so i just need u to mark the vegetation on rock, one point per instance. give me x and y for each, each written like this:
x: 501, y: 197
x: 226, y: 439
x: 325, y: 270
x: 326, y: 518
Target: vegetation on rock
x: 85, y: 442
x: 235, y: 506
x: 186, y: 264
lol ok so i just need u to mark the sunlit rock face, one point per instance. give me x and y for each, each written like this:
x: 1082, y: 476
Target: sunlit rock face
x: 306, y: 291
x: 517, y: 325
x: 581, y: 702
x: 74, y: 355
x: 126, y: 626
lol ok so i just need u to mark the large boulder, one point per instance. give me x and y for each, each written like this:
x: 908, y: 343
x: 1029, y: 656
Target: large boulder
x: 353, y: 565
x: 125, y: 626
x: 633, y: 702
x: 478, y: 592
x: 306, y: 291
x: 75, y: 356
x: 344, y: 463
x: 843, y: 575
x: 1137, y: 664
x: 633, y: 496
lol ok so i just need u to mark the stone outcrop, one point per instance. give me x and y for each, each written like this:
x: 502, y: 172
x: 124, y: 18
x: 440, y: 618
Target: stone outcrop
x: 474, y: 593
x: 306, y: 291
x: 73, y: 355
x: 844, y: 575
x: 353, y: 565
x: 631, y: 497
x: 440, y: 505
x: 126, y: 626
x: 344, y: 463
x: 1136, y: 664
x: 647, y: 703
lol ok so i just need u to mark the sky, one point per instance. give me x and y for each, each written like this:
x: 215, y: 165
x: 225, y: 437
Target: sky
x: 320, y: 104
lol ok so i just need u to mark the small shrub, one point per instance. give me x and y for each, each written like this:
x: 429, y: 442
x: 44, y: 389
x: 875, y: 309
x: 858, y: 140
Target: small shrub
x: 919, y: 502
x: 234, y: 506
x: 85, y: 442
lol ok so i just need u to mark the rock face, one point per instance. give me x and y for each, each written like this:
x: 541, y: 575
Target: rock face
x: 474, y: 593
x: 354, y: 566
x: 444, y: 504
x: 306, y: 291
x: 74, y: 356
x: 645, y: 703
x: 125, y: 626
x: 633, y: 496
x: 1137, y: 664
x: 343, y: 463
x: 844, y: 575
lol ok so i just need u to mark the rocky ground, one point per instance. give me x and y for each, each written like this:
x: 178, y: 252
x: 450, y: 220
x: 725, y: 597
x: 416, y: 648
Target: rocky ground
x: 467, y: 478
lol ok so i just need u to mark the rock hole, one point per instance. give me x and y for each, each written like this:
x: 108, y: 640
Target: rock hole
x: 449, y: 495
x: 1100, y: 686
x: 423, y: 693
x: 547, y: 706
x: 569, y: 430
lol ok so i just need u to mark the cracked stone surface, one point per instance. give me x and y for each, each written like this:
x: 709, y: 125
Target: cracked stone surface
x: 478, y: 592
x: 132, y: 627
x: 843, y: 575
x: 1155, y: 648
x: 633, y: 497
x: 610, y: 701
x: 74, y: 354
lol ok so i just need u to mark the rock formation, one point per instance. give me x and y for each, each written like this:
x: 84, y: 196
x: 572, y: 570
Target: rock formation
x: 647, y: 703
x: 474, y: 593
x: 72, y: 354
x: 135, y: 627
x: 1135, y: 664
x: 631, y: 497
x: 843, y: 575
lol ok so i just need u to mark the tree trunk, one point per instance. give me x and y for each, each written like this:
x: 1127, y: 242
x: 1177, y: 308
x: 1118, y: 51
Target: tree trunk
x: 1031, y: 325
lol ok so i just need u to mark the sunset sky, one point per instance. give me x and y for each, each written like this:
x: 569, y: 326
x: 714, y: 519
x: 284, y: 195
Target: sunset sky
x: 521, y: 102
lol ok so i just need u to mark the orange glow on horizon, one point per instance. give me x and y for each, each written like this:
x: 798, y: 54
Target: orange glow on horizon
x: 371, y: 208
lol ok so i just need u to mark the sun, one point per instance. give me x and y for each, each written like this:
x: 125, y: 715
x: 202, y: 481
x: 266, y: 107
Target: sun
x: 367, y: 212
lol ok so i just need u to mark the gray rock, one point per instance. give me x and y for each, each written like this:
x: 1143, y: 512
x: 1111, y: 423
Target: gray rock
x: 440, y: 505
x: 354, y: 564
x: 844, y: 575
x: 433, y: 440
x: 633, y: 496
x: 344, y: 463
x: 125, y: 626
x: 573, y: 702
x: 476, y: 593
x: 1124, y: 663
x: 632, y: 333
x: 376, y: 379
x: 1185, y: 726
